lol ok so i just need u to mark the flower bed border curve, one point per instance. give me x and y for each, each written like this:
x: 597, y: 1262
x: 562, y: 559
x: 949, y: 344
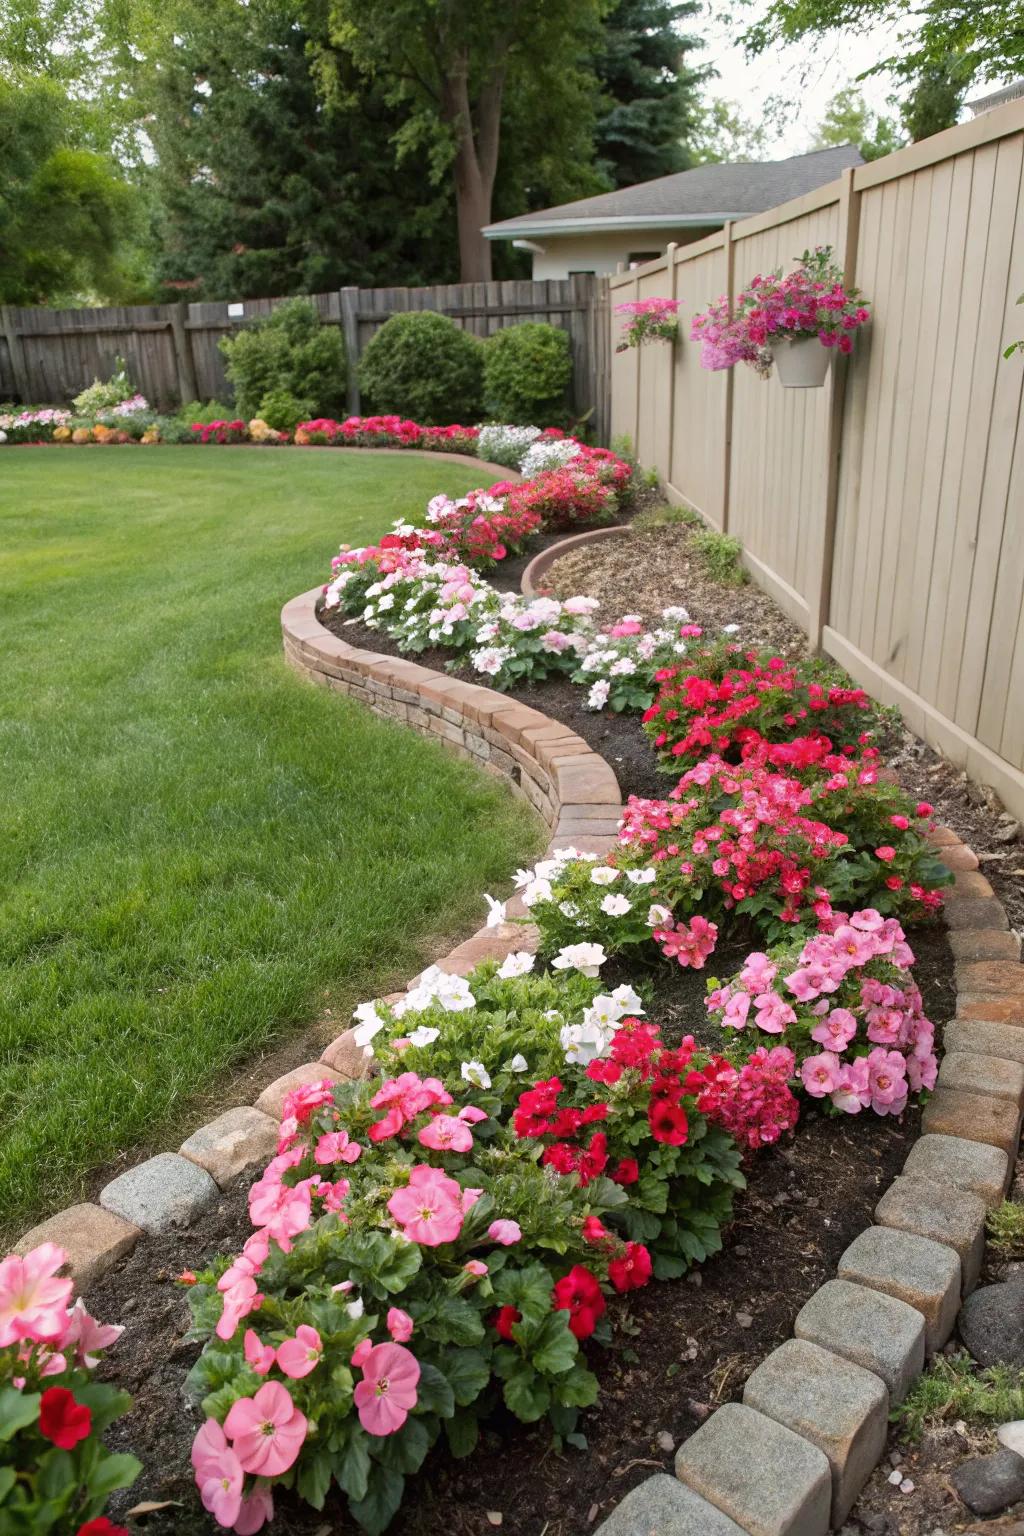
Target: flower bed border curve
x: 533, y: 576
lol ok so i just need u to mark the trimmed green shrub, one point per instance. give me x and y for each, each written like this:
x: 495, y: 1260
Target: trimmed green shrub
x: 421, y: 365
x: 287, y: 350
x: 214, y: 410
x: 527, y: 370
x: 283, y: 411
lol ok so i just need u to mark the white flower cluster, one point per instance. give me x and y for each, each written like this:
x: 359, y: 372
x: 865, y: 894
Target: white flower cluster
x: 548, y: 453
x: 440, y: 506
x: 434, y: 989
x: 535, y: 883
x: 505, y: 445
x: 626, y: 656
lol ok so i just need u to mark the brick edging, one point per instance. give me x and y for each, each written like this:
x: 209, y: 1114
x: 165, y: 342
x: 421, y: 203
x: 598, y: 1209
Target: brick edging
x: 533, y: 576
x: 792, y: 1457
x: 570, y: 785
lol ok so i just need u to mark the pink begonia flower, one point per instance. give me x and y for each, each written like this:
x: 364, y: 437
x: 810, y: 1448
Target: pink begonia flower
x: 302, y: 1101
x: 283, y: 1211
x: 88, y: 1335
x: 475, y: 1267
x: 259, y: 1356
x: 267, y: 1430
x: 836, y: 1030
x: 446, y: 1133
x: 758, y: 972
x: 392, y: 1123
x: 33, y: 1300
x: 868, y: 919
x: 335, y: 1147
x: 429, y: 1209
x: 734, y: 1015
x: 857, y: 946
x: 400, y: 1325
x: 885, y: 853
x: 220, y: 1487
x: 208, y: 1446
x: 922, y: 1070
x: 887, y: 1079
x: 472, y: 1115
x: 820, y: 1074
x: 885, y: 1025
x: 239, y: 1301
x: 504, y: 1232
x: 773, y: 1013
x: 387, y: 1391
x: 804, y: 984
x: 470, y: 1198
x: 257, y: 1510
x: 300, y: 1355
x: 852, y: 1093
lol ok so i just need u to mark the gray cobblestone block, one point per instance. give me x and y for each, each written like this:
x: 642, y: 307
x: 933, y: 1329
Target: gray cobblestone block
x: 873, y: 1330
x: 836, y: 1405
x: 165, y: 1191
x: 917, y: 1270
x: 759, y: 1473
x: 951, y: 1216
x: 973, y: 1165
x: 663, y: 1506
x: 995, y: 1076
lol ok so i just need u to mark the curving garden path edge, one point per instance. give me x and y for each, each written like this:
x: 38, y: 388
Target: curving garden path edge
x: 790, y: 1459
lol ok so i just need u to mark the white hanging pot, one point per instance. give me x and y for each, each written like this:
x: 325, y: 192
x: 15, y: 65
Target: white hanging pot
x: 802, y: 364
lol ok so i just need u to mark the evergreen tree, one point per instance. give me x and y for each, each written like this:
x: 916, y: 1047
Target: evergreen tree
x: 849, y: 120
x: 650, y: 93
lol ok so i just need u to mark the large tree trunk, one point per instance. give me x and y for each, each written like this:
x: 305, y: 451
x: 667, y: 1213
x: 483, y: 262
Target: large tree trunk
x: 476, y: 163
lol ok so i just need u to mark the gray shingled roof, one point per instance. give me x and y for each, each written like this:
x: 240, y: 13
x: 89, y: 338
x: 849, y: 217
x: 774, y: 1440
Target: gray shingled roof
x: 708, y: 193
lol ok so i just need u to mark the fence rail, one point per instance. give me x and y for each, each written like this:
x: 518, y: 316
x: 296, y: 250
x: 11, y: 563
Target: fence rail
x: 172, y: 353
x: 885, y: 512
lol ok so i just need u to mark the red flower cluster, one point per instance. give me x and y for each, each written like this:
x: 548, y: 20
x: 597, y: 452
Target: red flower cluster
x: 775, y: 701
x: 579, y: 1294
x: 754, y: 1103
x: 479, y: 538
x: 219, y: 431
x: 384, y: 431
x: 563, y: 498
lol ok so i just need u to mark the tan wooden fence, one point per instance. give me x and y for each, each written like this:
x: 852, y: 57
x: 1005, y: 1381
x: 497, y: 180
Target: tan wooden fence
x: 48, y: 355
x: 885, y: 512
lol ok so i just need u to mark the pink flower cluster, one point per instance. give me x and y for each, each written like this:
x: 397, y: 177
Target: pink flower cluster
x: 38, y: 1320
x: 649, y: 320
x: 384, y: 431
x: 850, y: 1007
x: 754, y: 1102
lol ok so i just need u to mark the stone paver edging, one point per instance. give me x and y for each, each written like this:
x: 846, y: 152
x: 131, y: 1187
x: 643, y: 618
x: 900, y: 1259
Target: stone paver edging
x: 791, y: 1459
x: 532, y: 580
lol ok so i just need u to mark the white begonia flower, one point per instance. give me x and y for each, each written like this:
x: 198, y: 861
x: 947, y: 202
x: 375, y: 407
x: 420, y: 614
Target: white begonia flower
x: 476, y: 1073
x: 518, y: 1063
x: 585, y: 958
x: 370, y: 1023
x: 604, y: 1012
x: 423, y: 1035
x: 583, y: 1043
x: 645, y: 876
x: 355, y: 1308
x: 730, y: 629
x: 597, y: 698
x: 456, y: 997
x: 386, y: 602
x: 539, y: 890
x: 624, y: 667
x: 616, y: 906
x: 658, y: 916
x: 520, y: 963
x: 495, y: 912
x: 676, y: 615
x: 604, y: 874
x: 627, y: 999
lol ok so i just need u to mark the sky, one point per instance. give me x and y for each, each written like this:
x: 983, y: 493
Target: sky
x: 805, y: 76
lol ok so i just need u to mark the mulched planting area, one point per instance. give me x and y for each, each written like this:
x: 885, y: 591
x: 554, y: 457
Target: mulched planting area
x: 681, y: 1347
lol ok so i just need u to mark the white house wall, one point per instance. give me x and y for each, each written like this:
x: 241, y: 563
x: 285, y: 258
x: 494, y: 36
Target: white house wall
x: 601, y: 253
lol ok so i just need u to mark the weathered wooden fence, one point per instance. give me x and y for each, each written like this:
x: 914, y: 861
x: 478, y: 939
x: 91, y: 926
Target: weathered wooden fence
x: 49, y: 355
x: 884, y: 512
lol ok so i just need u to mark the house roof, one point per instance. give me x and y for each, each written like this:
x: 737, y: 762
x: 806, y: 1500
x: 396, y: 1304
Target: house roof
x: 709, y: 194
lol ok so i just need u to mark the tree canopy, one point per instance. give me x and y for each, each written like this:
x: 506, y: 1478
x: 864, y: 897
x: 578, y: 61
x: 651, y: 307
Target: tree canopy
x: 649, y: 105
x: 849, y: 120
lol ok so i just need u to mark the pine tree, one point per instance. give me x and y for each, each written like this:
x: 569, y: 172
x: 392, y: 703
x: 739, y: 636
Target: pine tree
x: 650, y: 93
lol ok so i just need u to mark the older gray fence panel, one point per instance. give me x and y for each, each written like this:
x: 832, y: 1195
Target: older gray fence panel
x: 172, y: 351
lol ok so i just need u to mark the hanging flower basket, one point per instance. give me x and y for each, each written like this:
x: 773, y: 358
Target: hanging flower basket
x: 648, y: 320
x: 793, y: 321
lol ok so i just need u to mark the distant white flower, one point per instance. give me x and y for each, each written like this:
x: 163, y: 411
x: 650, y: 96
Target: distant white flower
x: 581, y: 605
x: 537, y: 890
x: 604, y: 874
x: 370, y: 1023
x: 518, y: 964
x: 423, y: 1035
x: 585, y: 958
x: 569, y: 909
x: 495, y: 912
x: 597, y: 698
x: 476, y: 1073
x: 616, y: 906
x: 730, y: 629
x: 355, y: 1308
x: 518, y: 1063
x: 658, y: 916
x: 624, y: 667
x: 604, y: 1011
x: 646, y: 876
x: 676, y: 615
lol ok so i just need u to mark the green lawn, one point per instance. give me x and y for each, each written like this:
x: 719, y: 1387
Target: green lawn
x: 195, y: 845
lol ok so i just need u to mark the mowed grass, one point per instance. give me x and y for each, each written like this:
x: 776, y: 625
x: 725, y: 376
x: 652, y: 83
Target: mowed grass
x: 198, y: 849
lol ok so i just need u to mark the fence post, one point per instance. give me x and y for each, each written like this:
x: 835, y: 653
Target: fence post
x: 188, y: 388
x: 350, y: 331
x: 729, y: 251
x: 820, y: 596
x: 674, y: 354
x: 16, y: 353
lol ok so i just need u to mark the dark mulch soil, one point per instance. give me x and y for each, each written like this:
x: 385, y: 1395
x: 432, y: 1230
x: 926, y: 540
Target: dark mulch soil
x: 681, y: 1348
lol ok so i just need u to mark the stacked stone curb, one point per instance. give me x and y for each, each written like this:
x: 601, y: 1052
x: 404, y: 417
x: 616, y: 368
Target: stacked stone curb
x: 790, y: 1459
x: 532, y: 581
x: 863, y: 1338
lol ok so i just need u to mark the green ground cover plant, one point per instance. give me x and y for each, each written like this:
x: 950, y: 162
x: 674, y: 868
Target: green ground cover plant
x: 197, y: 849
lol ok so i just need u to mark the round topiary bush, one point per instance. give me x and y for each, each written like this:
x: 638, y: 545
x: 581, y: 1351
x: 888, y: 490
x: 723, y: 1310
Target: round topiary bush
x: 421, y: 365
x: 288, y: 350
x: 527, y: 370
